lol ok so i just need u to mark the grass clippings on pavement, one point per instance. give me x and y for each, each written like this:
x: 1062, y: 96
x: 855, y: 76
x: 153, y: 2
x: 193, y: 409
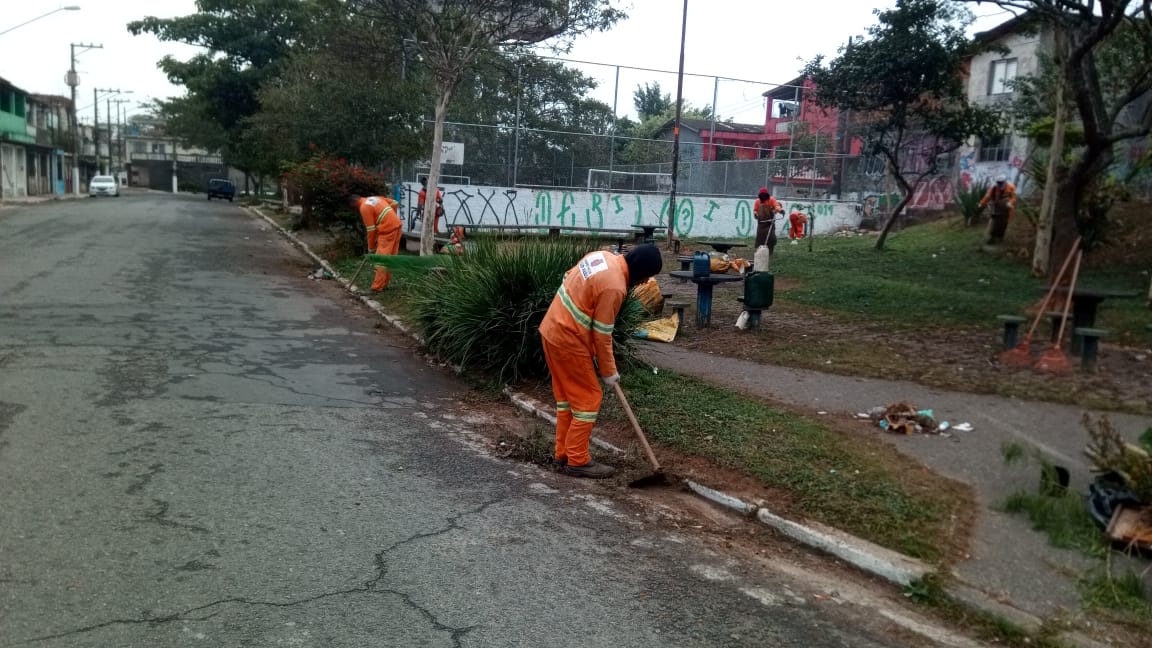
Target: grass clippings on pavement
x: 854, y: 482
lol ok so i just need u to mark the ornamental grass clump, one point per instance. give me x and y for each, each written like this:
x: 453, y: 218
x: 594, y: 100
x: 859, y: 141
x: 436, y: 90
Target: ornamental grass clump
x: 483, y: 313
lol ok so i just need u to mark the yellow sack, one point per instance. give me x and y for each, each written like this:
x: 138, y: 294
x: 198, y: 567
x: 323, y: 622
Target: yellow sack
x: 661, y: 330
x: 719, y: 264
x: 648, y: 293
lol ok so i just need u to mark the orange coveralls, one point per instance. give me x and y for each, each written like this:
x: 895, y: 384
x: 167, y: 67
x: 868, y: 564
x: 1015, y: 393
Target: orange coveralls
x: 798, y: 221
x: 422, y: 197
x: 383, y: 225
x: 576, y: 329
x: 1003, y: 205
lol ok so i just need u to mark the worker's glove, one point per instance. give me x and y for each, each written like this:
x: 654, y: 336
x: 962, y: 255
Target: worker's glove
x: 612, y: 380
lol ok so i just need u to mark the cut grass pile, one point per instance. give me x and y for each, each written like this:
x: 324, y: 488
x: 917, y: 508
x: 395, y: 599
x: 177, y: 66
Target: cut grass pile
x: 854, y: 483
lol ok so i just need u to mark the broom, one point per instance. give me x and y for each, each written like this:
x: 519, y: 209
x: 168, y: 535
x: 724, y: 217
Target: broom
x: 1053, y: 360
x: 1021, y: 354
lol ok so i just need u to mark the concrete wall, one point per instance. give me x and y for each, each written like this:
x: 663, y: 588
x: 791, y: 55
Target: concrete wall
x: 700, y: 216
x: 13, y: 171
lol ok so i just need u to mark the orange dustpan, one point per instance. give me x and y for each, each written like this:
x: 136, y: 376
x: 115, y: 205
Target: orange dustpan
x: 1021, y: 354
x: 1053, y: 360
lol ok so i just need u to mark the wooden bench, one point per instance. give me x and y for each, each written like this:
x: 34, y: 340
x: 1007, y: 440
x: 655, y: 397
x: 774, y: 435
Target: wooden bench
x: 1090, y: 345
x: 438, y: 242
x: 1011, y: 329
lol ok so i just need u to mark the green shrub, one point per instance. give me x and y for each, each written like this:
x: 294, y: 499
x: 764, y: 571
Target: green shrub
x: 968, y: 199
x: 483, y: 314
x: 322, y: 185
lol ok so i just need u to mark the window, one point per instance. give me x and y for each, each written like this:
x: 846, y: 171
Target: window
x: 157, y: 148
x: 139, y: 147
x: 995, y: 149
x: 1001, y: 76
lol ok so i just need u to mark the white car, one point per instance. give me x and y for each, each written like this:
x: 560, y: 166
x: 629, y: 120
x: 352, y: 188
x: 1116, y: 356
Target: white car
x: 103, y: 186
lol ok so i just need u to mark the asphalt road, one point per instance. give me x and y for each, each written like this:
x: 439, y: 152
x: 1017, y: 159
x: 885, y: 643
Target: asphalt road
x: 199, y: 446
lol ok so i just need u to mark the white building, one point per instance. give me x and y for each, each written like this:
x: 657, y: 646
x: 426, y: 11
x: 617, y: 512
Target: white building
x: 990, y: 77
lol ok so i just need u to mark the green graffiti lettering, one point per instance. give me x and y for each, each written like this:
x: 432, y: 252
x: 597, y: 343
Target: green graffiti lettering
x: 685, y: 216
x: 543, y: 208
x: 619, y: 207
x: 639, y: 210
x: 566, y: 208
x: 712, y: 206
x: 597, y: 199
x: 743, y: 218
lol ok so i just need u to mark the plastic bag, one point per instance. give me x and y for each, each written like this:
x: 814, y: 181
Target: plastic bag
x: 648, y: 293
x: 661, y: 330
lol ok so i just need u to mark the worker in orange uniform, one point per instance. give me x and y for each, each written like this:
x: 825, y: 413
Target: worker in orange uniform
x: 422, y: 197
x: 1002, y: 196
x: 577, y: 338
x: 796, y: 221
x: 765, y: 210
x: 382, y: 220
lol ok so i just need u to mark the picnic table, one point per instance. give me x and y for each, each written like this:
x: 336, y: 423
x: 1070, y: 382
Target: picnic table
x: 722, y: 246
x: 704, y: 285
x: 1085, y: 302
x: 647, y: 231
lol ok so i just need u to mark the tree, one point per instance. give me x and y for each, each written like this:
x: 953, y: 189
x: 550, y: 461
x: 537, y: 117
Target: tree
x: 1105, y: 70
x: 222, y: 82
x: 449, y: 36
x: 904, y: 87
x: 650, y: 101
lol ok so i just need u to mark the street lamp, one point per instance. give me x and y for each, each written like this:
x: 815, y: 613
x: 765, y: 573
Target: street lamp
x: 68, y: 8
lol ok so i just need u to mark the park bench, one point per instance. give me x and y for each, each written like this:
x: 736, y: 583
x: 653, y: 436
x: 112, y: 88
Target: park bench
x: 440, y: 241
x: 1089, y: 345
x: 678, y: 310
x: 1011, y: 329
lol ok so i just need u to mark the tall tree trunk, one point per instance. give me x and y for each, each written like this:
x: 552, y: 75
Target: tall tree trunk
x: 428, y: 219
x: 907, y: 191
x: 1041, y: 255
x: 1064, y: 226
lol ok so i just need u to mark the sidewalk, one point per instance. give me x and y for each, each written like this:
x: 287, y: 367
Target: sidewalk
x: 1008, y: 560
x: 24, y: 201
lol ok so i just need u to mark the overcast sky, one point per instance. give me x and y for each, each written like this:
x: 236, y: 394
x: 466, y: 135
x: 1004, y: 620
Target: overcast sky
x: 760, y: 41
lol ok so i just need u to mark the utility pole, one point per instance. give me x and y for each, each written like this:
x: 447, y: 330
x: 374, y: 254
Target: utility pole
x: 96, y: 129
x: 121, y: 113
x: 673, y: 244
x: 108, y: 112
x: 96, y: 113
x: 73, y: 80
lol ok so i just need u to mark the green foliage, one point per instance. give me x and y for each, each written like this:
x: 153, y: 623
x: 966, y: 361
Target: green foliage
x: 1064, y: 518
x: 222, y: 81
x: 908, y: 100
x: 483, y: 314
x: 322, y: 185
x: 967, y: 200
x: 650, y: 101
x: 1125, y: 594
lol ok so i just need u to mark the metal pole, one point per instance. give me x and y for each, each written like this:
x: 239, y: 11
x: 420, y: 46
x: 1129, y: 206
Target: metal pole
x: 712, y: 128
x: 108, y: 114
x: 96, y: 129
x: 612, y: 141
x: 73, y: 81
x: 792, y: 140
x: 516, y: 150
x: 672, y: 243
x: 815, y: 147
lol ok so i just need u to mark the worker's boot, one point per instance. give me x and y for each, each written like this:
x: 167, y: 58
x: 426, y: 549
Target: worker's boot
x: 558, y: 464
x: 591, y: 470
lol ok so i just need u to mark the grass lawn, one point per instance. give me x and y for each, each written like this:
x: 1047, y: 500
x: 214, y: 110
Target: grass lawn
x: 407, y: 272
x: 852, y: 481
x: 934, y: 276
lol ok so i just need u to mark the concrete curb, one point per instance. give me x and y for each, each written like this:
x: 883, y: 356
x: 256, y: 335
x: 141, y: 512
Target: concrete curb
x: 866, y: 556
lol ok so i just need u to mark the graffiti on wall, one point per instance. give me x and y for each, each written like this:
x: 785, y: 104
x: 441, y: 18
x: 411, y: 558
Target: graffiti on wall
x: 974, y: 173
x: 721, y: 217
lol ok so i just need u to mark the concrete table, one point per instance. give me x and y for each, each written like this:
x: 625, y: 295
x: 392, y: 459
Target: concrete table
x: 704, y: 285
x: 1085, y: 302
x: 647, y: 232
x: 722, y: 246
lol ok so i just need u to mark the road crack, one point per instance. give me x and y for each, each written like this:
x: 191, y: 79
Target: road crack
x: 371, y: 587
